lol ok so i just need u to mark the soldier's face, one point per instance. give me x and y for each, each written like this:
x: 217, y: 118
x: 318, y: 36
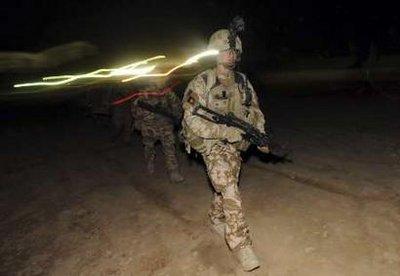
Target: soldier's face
x: 227, y: 58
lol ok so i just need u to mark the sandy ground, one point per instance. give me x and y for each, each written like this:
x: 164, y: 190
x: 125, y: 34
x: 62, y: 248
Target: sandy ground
x: 73, y: 203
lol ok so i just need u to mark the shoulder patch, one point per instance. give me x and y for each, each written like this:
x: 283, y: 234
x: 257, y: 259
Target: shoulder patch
x: 192, y: 98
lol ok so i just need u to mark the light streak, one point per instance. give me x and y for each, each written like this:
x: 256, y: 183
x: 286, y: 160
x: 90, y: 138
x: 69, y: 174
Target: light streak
x: 136, y: 94
x: 128, y: 72
x: 188, y: 62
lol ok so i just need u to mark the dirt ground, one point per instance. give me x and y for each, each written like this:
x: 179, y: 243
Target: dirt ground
x: 74, y: 203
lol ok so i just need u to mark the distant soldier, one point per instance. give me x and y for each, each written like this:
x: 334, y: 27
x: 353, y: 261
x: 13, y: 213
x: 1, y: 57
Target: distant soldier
x: 154, y: 117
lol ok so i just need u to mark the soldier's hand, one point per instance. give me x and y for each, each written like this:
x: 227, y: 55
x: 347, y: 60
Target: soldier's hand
x: 264, y: 149
x: 233, y: 135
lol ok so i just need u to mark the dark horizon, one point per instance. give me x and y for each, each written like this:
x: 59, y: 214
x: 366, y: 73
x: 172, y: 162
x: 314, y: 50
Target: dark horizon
x: 305, y: 26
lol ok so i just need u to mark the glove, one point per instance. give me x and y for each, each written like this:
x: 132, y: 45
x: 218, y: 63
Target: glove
x: 233, y: 134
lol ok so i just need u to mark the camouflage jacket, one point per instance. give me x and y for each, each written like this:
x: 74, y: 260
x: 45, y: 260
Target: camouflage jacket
x: 148, y: 119
x: 236, y: 95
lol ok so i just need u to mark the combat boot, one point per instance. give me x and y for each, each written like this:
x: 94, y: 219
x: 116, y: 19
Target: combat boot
x: 175, y: 176
x: 247, y: 258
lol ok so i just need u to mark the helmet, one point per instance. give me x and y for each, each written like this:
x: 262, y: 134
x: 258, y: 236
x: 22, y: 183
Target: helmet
x: 220, y: 41
x: 153, y: 84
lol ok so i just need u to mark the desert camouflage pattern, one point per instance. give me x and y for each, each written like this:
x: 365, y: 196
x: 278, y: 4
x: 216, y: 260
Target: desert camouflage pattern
x: 220, y: 41
x: 222, y: 158
x: 223, y: 167
x: 222, y: 96
x: 155, y: 127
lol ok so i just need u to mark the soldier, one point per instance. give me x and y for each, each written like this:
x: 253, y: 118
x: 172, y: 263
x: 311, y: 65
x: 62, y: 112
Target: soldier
x: 156, y: 127
x: 224, y: 90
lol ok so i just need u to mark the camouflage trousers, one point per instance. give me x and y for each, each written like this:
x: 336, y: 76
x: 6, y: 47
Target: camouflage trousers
x: 167, y: 139
x: 223, y: 167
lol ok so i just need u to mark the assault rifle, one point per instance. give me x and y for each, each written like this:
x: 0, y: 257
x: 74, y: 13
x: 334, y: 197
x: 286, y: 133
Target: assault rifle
x: 158, y: 109
x: 250, y: 133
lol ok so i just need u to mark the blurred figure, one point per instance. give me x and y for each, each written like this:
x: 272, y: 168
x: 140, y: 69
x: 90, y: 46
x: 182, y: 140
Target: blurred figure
x: 154, y: 118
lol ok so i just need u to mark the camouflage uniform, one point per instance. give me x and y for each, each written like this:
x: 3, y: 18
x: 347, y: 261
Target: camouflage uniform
x: 156, y: 127
x: 221, y: 154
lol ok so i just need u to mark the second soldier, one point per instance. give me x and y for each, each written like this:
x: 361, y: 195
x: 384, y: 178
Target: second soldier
x: 154, y: 117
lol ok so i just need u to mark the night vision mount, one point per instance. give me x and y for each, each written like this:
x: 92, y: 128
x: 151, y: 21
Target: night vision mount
x: 235, y: 27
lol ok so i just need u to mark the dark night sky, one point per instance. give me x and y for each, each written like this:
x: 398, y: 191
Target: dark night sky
x: 125, y: 25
